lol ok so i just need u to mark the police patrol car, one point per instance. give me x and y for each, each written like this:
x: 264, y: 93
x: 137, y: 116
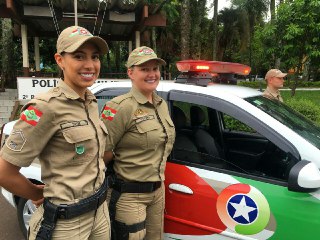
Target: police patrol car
x: 243, y: 166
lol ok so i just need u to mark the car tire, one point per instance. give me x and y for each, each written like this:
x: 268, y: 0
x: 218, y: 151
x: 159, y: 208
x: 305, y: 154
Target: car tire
x: 25, y: 210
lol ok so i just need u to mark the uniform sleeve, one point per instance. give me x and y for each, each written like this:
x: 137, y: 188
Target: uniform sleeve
x: 116, y: 118
x: 30, y: 134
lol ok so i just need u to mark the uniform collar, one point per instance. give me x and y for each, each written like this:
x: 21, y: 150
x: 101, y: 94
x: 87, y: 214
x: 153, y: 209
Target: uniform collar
x: 142, y: 99
x: 273, y: 93
x: 71, y: 94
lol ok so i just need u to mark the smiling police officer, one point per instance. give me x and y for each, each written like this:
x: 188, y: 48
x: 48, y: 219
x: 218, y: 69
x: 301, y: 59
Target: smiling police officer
x: 62, y: 128
x: 142, y: 135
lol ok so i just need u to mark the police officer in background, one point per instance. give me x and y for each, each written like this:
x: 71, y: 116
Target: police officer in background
x: 142, y: 135
x: 62, y: 128
x: 274, y: 79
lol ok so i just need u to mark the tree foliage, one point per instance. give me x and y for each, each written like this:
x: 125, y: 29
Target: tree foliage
x: 287, y: 38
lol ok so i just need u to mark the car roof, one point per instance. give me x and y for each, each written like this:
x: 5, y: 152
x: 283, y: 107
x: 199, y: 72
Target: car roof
x: 216, y: 89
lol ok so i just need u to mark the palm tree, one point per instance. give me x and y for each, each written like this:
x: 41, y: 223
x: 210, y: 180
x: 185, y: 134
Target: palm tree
x: 234, y: 34
x: 215, y: 30
x: 185, y: 29
x: 197, y: 31
x: 255, y: 10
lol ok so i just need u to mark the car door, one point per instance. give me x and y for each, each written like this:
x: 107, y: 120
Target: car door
x: 228, y: 200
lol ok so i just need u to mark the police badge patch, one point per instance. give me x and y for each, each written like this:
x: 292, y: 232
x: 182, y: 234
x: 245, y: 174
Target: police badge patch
x: 16, y: 141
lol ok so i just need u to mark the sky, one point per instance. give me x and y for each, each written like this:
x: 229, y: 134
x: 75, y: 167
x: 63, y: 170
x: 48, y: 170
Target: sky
x: 221, y: 4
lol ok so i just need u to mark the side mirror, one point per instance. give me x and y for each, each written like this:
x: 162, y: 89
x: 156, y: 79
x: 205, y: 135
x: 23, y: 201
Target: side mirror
x: 304, y: 176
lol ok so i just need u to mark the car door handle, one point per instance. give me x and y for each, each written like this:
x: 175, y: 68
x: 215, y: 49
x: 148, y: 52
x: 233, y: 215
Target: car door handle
x: 180, y: 188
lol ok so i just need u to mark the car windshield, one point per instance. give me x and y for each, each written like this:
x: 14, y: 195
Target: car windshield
x: 286, y: 115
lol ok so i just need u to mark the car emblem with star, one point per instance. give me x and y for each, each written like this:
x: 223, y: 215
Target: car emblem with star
x: 243, y: 209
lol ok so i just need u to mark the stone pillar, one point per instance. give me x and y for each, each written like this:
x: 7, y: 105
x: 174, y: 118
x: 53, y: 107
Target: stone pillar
x: 25, y: 54
x: 130, y: 47
x: 37, y: 55
x: 137, y: 39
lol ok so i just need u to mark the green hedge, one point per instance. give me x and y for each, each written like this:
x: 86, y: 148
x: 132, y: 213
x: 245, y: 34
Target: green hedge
x: 262, y: 84
x: 306, y: 107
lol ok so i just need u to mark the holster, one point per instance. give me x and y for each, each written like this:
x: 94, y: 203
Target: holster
x: 54, y: 212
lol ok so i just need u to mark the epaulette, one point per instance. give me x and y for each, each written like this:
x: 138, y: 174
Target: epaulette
x: 121, y: 98
x: 54, y: 92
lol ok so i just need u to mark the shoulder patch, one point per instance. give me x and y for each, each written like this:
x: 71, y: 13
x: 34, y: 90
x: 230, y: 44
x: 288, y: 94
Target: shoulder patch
x: 16, y: 141
x: 31, y: 115
x: 108, y: 113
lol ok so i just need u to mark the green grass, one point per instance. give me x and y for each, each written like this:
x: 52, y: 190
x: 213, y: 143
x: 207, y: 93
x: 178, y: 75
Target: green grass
x: 313, y: 96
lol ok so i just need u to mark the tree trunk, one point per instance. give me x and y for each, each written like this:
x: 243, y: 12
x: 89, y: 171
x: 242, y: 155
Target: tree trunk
x: 197, y: 11
x: 215, y: 31
x: 154, y: 39
x: 277, y: 61
x: 273, y: 10
x: 185, y: 29
x: 117, y: 56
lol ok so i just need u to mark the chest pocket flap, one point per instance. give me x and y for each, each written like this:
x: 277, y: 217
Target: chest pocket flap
x: 147, y: 126
x: 79, y: 134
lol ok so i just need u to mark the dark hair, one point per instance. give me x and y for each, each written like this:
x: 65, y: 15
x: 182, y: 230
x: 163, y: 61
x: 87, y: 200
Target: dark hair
x: 61, y: 75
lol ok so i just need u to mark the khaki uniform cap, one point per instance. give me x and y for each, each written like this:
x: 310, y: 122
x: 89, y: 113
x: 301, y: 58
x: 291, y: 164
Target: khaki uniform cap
x: 71, y: 38
x: 141, y: 55
x: 275, y: 73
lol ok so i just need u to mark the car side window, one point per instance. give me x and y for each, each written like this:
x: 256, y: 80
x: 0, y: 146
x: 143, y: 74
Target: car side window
x: 233, y: 124
x: 194, y: 142
x: 209, y: 138
x: 251, y: 152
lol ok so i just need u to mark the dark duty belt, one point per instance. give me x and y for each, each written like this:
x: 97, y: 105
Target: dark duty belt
x: 135, y: 187
x: 86, y: 205
x: 53, y: 212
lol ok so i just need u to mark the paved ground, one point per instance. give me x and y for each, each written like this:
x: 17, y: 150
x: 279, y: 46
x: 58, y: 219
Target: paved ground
x: 9, y: 226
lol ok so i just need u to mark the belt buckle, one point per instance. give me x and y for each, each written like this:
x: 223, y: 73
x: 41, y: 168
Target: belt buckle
x: 63, y: 211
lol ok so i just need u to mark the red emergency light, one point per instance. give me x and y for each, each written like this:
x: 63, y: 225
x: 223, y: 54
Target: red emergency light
x: 212, y: 67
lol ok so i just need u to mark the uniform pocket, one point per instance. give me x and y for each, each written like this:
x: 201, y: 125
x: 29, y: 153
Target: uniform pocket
x: 78, y: 134
x: 150, y: 132
x: 81, y: 144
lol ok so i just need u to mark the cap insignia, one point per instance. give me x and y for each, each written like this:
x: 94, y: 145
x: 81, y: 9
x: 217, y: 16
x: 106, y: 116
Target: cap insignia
x: 80, y: 31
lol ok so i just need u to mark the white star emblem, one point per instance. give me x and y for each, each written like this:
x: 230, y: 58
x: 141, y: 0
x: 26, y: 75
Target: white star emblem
x: 242, y: 209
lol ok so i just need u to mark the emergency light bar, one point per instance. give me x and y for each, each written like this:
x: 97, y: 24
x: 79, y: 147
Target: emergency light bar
x: 212, y: 67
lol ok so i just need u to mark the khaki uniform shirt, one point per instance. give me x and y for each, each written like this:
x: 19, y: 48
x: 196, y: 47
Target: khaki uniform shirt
x: 66, y: 134
x: 142, y: 136
x: 272, y: 95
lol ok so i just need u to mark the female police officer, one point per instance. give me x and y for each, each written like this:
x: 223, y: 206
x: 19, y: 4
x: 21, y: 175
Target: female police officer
x: 142, y: 136
x: 62, y: 128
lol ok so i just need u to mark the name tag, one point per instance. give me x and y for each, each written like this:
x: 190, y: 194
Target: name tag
x: 73, y: 124
x: 144, y: 118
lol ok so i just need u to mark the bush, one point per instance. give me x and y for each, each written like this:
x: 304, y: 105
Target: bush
x: 254, y: 84
x: 263, y: 85
x: 306, y: 107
